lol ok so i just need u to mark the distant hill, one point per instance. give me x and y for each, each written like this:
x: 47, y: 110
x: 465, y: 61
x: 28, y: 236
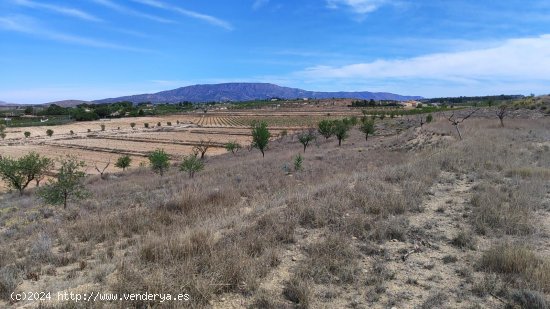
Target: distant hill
x: 67, y: 103
x: 246, y: 92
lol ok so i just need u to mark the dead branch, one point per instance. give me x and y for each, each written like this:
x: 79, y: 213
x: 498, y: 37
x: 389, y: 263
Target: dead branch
x: 456, y: 121
x: 102, y: 171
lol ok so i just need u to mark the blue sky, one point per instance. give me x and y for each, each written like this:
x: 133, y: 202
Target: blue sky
x: 93, y: 49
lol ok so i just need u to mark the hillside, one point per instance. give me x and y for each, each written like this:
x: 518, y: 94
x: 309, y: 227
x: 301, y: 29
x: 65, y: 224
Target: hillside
x: 413, y: 217
x: 247, y: 92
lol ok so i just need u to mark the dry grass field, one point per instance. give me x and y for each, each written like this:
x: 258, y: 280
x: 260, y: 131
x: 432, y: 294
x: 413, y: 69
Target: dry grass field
x: 411, y: 218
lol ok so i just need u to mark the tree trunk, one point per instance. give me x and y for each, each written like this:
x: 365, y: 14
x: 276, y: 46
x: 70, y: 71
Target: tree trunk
x: 305, y: 148
x: 339, y: 142
x: 65, y: 200
x: 501, y: 121
x: 458, y: 131
x: 367, y: 137
x: 263, y: 154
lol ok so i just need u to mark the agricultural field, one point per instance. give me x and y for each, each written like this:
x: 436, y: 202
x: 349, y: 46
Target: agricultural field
x: 99, y: 143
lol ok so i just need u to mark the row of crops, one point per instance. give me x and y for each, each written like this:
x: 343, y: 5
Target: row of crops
x: 236, y: 121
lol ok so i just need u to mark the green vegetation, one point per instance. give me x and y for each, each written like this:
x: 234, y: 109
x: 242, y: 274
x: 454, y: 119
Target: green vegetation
x: 232, y: 147
x: 305, y: 138
x: 367, y: 127
x: 191, y: 164
x: 123, y: 162
x: 49, y: 132
x: 159, y: 161
x: 18, y: 173
x: 260, y: 136
x: 325, y: 128
x: 67, y: 184
x: 341, y: 130
x: 298, y: 162
x: 27, y: 134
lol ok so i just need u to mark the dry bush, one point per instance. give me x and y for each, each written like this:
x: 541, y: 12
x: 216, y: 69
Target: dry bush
x: 518, y: 260
x: 9, y: 279
x: 464, y: 240
x: 379, y: 198
x: 176, y: 246
x: 436, y: 300
x: 392, y: 228
x: 502, y: 208
x: 332, y: 260
x: 509, y: 259
x: 529, y: 299
x: 298, y: 291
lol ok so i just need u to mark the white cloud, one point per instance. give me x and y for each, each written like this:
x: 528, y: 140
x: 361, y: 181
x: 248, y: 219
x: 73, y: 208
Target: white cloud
x: 259, y: 3
x: 515, y: 65
x: 207, y: 18
x: 361, y: 7
x: 126, y: 10
x: 58, y: 9
x: 513, y: 58
x: 24, y: 24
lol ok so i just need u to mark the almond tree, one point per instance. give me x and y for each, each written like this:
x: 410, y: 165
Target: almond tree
x: 456, y: 121
x: 67, y: 185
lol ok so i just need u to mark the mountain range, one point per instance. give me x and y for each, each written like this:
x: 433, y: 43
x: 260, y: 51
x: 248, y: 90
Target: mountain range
x: 233, y: 92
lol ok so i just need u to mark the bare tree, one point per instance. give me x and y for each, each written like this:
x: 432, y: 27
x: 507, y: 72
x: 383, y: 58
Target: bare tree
x: 456, y: 121
x: 102, y: 171
x: 502, y: 112
x: 202, y: 147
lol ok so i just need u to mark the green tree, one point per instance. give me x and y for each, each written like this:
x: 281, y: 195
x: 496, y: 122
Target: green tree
x: 367, y: 127
x: 123, y: 162
x: 305, y: 138
x: 159, y: 161
x: 49, y: 132
x: 18, y: 173
x: 325, y: 128
x: 27, y: 134
x: 2, y: 131
x: 132, y: 125
x: 429, y: 118
x: 67, y: 185
x: 341, y: 130
x: 260, y: 136
x: 232, y: 147
x: 191, y: 164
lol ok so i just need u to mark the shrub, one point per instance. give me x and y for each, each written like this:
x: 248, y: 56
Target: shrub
x: 529, y: 299
x: 325, y: 128
x: 298, y: 291
x: 27, y: 134
x: 123, y: 162
x: 232, y: 147
x: 9, y: 279
x: 429, y: 118
x: 102, y: 127
x: 18, y: 173
x: 132, y: 125
x: 146, y: 125
x: 49, y: 132
x: 71, y: 132
x: 159, y: 161
x: 305, y: 138
x: 298, y: 161
x: 367, y: 127
x: 67, y: 184
x: 260, y: 136
x: 191, y: 164
x: 341, y: 130
x: 158, y: 124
